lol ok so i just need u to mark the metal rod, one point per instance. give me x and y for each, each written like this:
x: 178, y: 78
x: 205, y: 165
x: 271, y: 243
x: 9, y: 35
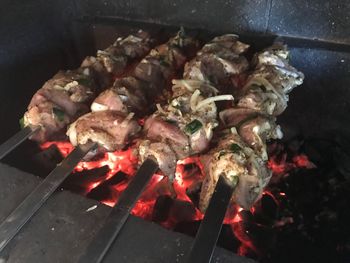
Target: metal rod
x: 100, y: 245
x: 21, y: 215
x: 16, y: 140
x: 209, y: 230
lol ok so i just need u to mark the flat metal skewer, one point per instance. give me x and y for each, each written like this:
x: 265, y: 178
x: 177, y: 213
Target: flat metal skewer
x: 21, y: 215
x: 100, y: 245
x: 16, y: 140
x: 210, y: 228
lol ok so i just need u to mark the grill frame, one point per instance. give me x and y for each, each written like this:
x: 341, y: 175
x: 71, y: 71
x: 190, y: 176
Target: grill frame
x: 322, y: 54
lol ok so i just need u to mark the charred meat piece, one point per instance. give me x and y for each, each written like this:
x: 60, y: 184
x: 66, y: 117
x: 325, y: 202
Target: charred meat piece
x: 161, y: 153
x: 268, y: 86
x: 218, y: 61
x: 241, y: 155
x: 186, y: 124
x: 127, y: 94
x: 59, y: 102
x: 112, y: 130
x: 68, y: 94
x: 150, y: 77
x: 239, y: 165
x: 254, y: 128
x: 116, y: 59
x: 137, y: 93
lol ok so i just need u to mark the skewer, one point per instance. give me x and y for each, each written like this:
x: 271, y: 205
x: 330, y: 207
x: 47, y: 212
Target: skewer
x: 24, y: 212
x: 16, y: 140
x: 99, y: 247
x: 209, y: 230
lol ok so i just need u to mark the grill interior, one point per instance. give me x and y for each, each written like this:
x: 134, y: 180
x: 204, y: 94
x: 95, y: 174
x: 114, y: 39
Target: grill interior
x: 35, y: 50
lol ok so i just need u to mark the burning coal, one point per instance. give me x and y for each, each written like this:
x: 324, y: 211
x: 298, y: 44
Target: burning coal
x: 173, y: 209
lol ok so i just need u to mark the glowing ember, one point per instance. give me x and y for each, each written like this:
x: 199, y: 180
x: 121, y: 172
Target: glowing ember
x: 189, y: 175
x: 280, y: 165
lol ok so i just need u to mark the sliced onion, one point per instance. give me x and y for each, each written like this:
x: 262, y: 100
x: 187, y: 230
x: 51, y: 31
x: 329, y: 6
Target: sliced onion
x: 213, y: 99
x: 260, y: 80
x: 127, y: 119
x: 192, y: 85
x: 160, y: 109
x: 98, y: 107
x: 194, y: 99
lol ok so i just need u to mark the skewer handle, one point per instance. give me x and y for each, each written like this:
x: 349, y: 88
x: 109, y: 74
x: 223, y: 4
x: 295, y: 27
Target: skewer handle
x: 24, y: 212
x: 16, y: 140
x: 210, y: 228
x: 99, y: 247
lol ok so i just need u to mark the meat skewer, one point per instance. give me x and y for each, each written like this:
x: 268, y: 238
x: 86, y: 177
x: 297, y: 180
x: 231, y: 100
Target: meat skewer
x: 69, y: 93
x: 185, y: 126
x: 111, y: 123
x: 240, y: 154
x: 10, y: 227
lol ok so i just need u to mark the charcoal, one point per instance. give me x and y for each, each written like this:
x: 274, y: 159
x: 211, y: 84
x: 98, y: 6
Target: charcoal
x: 227, y: 239
x: 48, y: 158
x: 269, y: 206
x: 80, y: 181
x: 162, y: 208
x: 190, y: 170
x: 182, y: 211
x: 116, y: 178
x: 193, y: 192
x: 103, y: 193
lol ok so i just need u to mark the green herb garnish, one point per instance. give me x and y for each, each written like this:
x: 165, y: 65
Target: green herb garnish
x: 235, y: 148
x: 59, y: 114
x: 171, y: 121
x: 21, y: 122
x: 193, y: 126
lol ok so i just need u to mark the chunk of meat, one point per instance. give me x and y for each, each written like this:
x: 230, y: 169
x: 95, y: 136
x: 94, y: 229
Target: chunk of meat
x: 255, y: 132
x: 112, y: 130
x: 161, y: 153
x: 233, y: 117
x: 63, y: 99
x: 215, y: 68
x: 158, y: 129
x: 239, y: 165
x: 49, y: 117
x: 126, y: 95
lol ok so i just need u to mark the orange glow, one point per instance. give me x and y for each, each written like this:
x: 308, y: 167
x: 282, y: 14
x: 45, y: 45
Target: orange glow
x: 189, y: 175
x: 282, y: 166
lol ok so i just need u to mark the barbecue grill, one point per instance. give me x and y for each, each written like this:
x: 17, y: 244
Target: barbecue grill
x: 39, y: 38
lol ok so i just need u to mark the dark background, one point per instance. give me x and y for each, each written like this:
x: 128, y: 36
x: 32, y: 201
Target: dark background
x: 37, y: 38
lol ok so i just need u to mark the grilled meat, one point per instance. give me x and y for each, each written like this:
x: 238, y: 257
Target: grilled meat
x: 111, y: 129
x: 138, y: 92
x: 241, y: 155
x: 237, y: 163
x: 67, y: 95
x: 185, y: 125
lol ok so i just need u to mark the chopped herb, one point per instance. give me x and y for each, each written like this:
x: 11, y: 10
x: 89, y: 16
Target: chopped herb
x: 193, y: 126
x: 235, y: 148
x: 21, y: 122
x: 59, y: 114
x: 171, y: 121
